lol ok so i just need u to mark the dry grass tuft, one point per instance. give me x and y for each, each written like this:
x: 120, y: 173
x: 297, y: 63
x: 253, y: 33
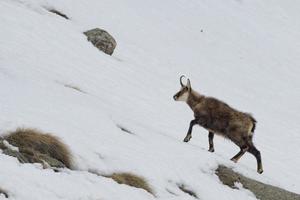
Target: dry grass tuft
x: 35, y: 144
x: 131, y: 180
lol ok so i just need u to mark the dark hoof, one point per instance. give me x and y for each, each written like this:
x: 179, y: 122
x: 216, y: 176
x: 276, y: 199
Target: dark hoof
x: 211, y: 150
x: 260, y: 171
x: 187, y: 138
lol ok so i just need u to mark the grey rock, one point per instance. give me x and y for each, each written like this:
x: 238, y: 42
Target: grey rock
x: 18, y: 155
x: 261, y: 190
x: 25, y: 155
x: 13, y: 153
x: 102, y: 40
x: 52, y: 162
x: 2, y: 146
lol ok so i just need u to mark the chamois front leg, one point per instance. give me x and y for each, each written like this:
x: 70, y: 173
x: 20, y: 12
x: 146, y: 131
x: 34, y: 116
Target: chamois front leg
x: 211, y: 141
x: 189, y: 133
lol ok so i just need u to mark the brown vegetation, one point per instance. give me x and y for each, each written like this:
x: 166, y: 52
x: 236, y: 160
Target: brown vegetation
x: 36, y: 146
x: 131, y: 180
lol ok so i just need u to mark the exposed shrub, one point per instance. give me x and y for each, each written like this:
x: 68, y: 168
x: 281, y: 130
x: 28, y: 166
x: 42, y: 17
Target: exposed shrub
x: 74, y: 88
x: 183, y: 188
x: 3, y: 193
x: 125, y: 129
x: 131, y: 180
x: 58, y: 13
x: 35, y: 146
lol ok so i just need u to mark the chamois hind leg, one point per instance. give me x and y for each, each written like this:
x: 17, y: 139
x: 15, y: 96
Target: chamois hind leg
x: 240, y: 141
x: 252, y: 149
x: 242, y: 151
x: 211, y: 141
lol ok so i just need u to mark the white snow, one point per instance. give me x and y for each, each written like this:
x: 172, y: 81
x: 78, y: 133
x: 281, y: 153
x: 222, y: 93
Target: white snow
x: 240, y: 51
x: 7, y: 145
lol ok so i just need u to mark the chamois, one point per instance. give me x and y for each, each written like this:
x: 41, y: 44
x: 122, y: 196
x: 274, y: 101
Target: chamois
x: 219, y: 118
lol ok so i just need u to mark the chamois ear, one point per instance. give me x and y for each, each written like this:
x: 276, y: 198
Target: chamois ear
x: 189, y: 84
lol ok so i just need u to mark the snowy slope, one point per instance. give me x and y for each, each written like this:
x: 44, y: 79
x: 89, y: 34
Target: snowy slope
x: 243, y: 52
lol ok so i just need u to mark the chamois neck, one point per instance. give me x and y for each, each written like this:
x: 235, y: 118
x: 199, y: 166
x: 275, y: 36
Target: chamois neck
x: 194, y: 98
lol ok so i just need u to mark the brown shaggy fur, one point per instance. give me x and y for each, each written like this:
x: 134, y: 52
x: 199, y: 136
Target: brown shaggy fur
x: 31, y: 141
x: 131, y: 180
x: 219, y: 118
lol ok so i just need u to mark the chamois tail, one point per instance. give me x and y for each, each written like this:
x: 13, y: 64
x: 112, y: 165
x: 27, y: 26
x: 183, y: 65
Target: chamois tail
x: 253, y: 124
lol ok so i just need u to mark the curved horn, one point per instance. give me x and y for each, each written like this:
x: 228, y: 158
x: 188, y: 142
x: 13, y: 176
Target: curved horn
x: 182, y: 76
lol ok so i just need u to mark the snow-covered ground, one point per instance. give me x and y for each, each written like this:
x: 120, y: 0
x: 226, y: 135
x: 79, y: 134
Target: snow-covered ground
x: 243, y: 52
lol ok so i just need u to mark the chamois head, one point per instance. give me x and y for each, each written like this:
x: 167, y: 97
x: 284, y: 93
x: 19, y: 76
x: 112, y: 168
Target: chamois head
x: 184, y: 91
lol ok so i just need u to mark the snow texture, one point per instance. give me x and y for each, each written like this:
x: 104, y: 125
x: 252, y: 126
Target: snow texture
x: 51, y: 78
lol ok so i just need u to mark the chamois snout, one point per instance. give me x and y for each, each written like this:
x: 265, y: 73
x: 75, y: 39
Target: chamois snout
x: 175, y: 97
